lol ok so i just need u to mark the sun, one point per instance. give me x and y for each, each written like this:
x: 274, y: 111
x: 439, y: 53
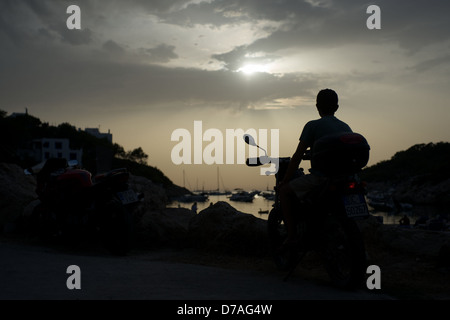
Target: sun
x: 253, y: 68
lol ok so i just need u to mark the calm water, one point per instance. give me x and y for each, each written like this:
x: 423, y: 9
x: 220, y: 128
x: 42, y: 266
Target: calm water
x: 414, y: 214
x: 261, y: 204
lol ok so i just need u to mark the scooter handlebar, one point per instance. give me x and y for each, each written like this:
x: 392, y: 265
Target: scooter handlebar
x: 259, y: 161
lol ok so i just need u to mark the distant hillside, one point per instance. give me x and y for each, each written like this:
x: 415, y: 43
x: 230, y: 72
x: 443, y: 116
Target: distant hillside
x: 419, y: 175
x: 430, y: 161
x: 16, y: 133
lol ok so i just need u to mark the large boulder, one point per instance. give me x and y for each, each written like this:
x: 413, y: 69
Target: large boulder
x: 413, y: 241
x: 155, y: 197
x: 157, y: 225
x: 221, y: 227
x: 399, y: 239
x: 163, y: 227
x: 17, y: 190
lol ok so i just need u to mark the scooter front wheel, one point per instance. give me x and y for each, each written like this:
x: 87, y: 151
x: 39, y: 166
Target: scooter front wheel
x: 277, y: 233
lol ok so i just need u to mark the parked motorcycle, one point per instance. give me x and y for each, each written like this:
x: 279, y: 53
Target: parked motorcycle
x: 74, y: 207
x: 325, y: 218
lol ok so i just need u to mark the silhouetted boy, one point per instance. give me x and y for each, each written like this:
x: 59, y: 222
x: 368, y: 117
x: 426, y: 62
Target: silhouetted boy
x: 327, y: 105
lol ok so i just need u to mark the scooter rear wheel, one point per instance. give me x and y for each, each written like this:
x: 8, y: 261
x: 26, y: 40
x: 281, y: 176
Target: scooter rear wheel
x: 343, y: 252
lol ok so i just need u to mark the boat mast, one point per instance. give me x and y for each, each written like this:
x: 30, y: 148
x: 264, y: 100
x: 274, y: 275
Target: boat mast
x: 218, y: 186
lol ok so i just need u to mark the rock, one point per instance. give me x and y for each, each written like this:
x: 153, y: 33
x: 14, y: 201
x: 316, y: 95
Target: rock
x: 395, y: 238
x: 16, y: 191
x: 155, y: 197
x: 370, y: 228
x: 444, y: 256
x: 221, y: 227
x: 168, y: 226
x: 157, y: 225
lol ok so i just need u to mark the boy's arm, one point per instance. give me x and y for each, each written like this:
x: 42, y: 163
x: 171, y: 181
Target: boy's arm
x: 295, y: 161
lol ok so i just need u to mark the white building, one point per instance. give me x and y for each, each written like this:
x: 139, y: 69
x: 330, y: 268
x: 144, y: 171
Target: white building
x: 40, y: 150
x: 96, y: 133
x: 57, y: 148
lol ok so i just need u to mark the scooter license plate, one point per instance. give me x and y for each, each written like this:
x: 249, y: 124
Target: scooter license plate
x: 128, y: 196
x: 355, y: 205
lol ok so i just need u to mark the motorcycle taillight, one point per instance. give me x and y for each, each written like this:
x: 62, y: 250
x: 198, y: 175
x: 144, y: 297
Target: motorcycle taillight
x: 353, y: 185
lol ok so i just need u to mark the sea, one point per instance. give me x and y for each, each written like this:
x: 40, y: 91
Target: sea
x: 260, y: 207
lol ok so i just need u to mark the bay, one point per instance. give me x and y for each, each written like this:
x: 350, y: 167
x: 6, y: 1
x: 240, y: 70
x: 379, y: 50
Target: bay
x: 260, y: 204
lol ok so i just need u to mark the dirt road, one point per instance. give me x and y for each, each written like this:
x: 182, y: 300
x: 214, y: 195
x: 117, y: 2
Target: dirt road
x: 35, y: 272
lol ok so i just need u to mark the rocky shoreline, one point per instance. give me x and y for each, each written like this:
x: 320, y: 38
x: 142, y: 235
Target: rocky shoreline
x: 415, y: 190
x: 414, y: 263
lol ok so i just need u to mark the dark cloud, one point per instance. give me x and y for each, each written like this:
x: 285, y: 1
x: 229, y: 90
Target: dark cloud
x: 113, y: 47
x: 106, y: 84
x: 159, y: 6
x: 412, y: 25
x: 27, y: 21
x: 432, y: 63
x: 14, y: 26
x: 45, y: 63
x: 221, y: 12
x: 76, y: 37
x: 161, y: 54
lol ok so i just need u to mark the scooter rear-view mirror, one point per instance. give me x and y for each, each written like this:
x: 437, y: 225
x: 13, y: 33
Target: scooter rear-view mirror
x: 249, y: 140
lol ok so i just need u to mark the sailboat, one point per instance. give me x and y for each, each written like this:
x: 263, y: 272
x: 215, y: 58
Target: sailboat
x: 218, y: 192
x: 242, y: 196
x: 192, y: 197
x: 187, y: 198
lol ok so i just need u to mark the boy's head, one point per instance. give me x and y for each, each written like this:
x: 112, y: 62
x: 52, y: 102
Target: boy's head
x: 327, y: 102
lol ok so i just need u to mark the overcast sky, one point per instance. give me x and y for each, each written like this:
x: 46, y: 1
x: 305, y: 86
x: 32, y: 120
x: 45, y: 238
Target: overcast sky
x: 145, y: 68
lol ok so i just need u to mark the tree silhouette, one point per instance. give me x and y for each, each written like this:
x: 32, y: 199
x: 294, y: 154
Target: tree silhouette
x: 137, y: 155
